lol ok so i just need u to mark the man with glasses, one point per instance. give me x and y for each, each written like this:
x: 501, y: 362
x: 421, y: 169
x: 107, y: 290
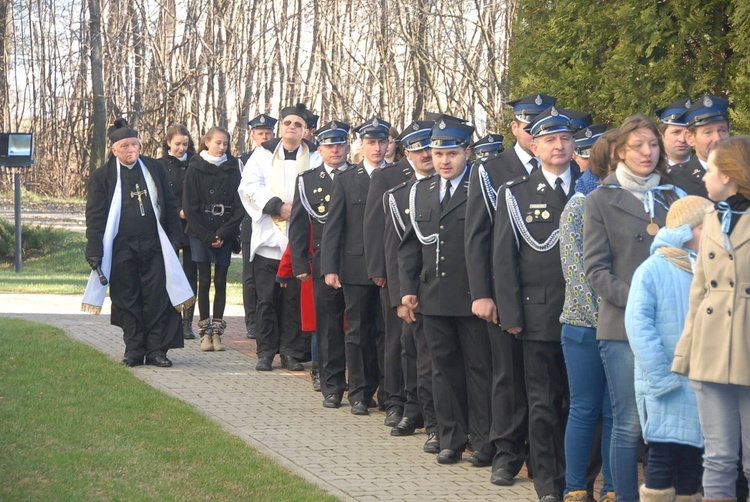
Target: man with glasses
x: 267, y: 190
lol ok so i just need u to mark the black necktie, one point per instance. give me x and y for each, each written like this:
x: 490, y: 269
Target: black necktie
x: 559, y: 189
x: 534, y: 164
x: 447, y: 196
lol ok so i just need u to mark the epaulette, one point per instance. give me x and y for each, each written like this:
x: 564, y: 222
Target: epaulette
x: 307, y: 171
x: 516, y: 181
x: 349, y: 170
x: 397, y: 187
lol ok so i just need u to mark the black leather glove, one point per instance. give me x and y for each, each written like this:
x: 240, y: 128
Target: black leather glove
x: 94, y: 261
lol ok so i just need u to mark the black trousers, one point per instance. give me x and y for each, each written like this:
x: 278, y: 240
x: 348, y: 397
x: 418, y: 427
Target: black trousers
x: 417, y: 367
x: 510, y: 410
x: 140, y: 304
x: 277, y: 314
x: 393, y: 374
x: 461, y: 377
x: 329, y: 325
x: 360, y: 339
x: 249, y: 296
x: 546, y: 389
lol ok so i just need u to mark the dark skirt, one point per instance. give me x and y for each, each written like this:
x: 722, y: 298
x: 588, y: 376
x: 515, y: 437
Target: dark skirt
x: 202, y: 253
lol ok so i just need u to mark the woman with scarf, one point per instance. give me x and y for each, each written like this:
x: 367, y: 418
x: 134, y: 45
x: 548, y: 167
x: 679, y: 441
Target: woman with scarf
x: 622, y: 217
x: 213, y: 211
x: 654, y: 318
x: 588, y: 384
x: 178, y: 148
x: 714, y: 349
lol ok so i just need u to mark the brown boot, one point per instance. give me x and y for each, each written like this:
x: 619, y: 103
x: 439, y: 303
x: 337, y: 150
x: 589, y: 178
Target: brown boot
x: 652, y: 495
x: 205, y: 330
x: 219, y: 326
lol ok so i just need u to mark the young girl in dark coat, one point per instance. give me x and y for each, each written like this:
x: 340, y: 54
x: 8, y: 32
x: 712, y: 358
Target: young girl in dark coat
x: 214, y: 212
x: 178, y: 148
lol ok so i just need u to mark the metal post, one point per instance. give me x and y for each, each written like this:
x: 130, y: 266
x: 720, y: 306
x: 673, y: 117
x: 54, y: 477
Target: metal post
x: 17, y: 208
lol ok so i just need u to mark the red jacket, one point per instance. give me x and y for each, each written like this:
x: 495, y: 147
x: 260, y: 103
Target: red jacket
x: 306, y: 294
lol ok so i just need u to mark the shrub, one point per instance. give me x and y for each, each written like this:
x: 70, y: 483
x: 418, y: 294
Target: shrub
x: 36, y: 240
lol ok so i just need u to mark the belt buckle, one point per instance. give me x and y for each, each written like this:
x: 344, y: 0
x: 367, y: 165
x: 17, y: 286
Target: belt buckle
x: 217, y: 210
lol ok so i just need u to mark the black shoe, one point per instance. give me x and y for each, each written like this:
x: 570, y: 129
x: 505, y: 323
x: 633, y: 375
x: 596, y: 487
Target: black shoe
x: 552, y: 497
x: 372, y: 403
x: 393, y: 417
x: 405, y: 427
x: 432, y: 445
x: 479, y: 459
x: 290, y: 363
x: 132, y: 362
x: 359, y: 408
x: 332, y: 401
x: 315, y: 376
x: 251, y: 333
x: 449, y: 456
x: 160, y: 361
x: 501, y: 477
x: 264, y: 364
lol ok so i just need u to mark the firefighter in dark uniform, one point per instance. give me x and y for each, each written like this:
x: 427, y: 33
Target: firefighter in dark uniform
x: 343, y: 264
x: 488, y: 147
x: 261, y: 130
x: 309, y: 214
x: 674, y: 132
x: 707, y: 122
x: 385, y: 178
x: 530, y: 289
x: 509, y: 408
x: 432, y: 270
x: 419, y: 408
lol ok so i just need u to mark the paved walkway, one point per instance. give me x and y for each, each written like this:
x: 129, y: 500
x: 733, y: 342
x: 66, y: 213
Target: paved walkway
x: 351, y: 457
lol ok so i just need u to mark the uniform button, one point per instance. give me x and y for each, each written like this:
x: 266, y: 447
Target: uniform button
x: 442, y: 243
x: 731, y: 284
x: 712, y: 255
x: 729, y: 312
x: 731, y: 257
x: 709, y: 310
x: 442, y: 227
x: 211, y: 191
x: 442, y: 258
x: 442, y: 274
x: 713, y: 284
x: 171, y: 184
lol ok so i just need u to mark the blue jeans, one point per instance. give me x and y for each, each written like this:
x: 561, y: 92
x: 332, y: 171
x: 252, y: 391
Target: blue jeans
x: 674, y: 465
x: 724, y: 412
x: 588, y: 398
x: 619, y: 366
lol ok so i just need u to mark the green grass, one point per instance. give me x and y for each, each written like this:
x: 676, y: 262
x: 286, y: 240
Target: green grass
x: 31, y: 199
x: 75, y: 425
x: 65, y: 272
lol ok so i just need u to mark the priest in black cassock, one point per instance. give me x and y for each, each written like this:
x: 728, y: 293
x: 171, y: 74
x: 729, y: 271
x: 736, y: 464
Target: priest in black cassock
x: 132, y: 231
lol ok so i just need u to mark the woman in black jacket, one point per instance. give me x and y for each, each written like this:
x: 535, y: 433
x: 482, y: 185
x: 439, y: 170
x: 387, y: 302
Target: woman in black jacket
x: 214, y: 212
x: 178, y: 148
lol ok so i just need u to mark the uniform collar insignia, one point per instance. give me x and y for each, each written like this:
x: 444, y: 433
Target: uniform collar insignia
x: 541, y: 187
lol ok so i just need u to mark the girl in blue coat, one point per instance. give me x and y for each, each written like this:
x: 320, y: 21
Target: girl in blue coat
x: 654, y: 319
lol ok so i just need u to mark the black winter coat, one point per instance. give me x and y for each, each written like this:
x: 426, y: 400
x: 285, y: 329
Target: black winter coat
x: 210, y: 199
x: 176, y: 170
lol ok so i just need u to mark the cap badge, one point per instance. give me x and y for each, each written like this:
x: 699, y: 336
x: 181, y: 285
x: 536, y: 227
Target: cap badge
x: 415, y: 126
x: 262, y: 119
x: 490, y: 139
x: 688, y: 103
x: 554, y: 112
x: 334, y: 125
x: 441, y: 125
x: 589, y: 133
x: 375, y: 122
x: 707, y: 102
x: 538, y: 101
